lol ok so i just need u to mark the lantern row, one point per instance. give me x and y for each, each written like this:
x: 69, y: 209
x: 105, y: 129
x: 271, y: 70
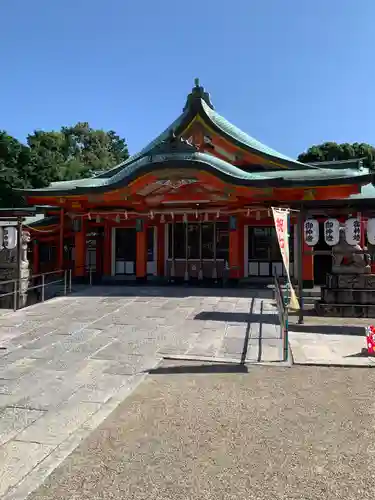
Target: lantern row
x: 8, y: 237
x: 352, y: 229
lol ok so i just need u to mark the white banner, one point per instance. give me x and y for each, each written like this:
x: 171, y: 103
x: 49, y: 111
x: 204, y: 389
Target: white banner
x: 281, y: 219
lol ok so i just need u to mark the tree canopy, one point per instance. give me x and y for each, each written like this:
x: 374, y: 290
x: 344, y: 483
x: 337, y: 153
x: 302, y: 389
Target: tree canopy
x: 332, y: 151
x: 70, y: 153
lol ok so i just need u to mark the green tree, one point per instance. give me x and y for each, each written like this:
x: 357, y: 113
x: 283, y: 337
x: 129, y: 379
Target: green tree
x: 16, y: 169
x: 71, y: 153
x: 331, y: 151
x: 75, y: 152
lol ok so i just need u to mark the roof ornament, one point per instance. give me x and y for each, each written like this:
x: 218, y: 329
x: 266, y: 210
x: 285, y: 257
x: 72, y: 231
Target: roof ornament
x: 173, y: 144
x: 196, y: 94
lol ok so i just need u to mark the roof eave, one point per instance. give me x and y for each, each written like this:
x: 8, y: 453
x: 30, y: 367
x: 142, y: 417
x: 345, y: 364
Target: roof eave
x: 275, y: 159
x: 199, y: 164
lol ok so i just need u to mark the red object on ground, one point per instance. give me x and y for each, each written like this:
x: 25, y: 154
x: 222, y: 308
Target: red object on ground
x: 370, y: 338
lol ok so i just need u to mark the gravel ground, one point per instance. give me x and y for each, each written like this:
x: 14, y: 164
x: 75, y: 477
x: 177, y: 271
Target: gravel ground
x: 272, y: 433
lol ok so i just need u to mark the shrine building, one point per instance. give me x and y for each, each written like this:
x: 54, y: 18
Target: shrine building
x: 192, y: 205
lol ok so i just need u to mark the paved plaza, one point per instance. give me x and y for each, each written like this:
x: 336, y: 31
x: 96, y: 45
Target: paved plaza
x: 65, y: 365
x: 330, y: 341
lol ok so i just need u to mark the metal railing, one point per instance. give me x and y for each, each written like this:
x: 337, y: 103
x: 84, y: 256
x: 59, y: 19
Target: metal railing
x: 282, y: 308
x: 43, y: 282
x: 56, y: 282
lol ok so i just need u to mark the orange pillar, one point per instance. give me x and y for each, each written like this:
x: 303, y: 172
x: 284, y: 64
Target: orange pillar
x: 307, y: 264
x: 141, y: 264
x: 107, y: 249
x: 241, y: 248
x: 161, y: 249
x: 234, y: 242
x: 80, y: 250
x: 60, y: 258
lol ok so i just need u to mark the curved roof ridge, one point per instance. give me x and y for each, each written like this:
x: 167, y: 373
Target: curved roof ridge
x: 160, y: 138
x: 237, y: 134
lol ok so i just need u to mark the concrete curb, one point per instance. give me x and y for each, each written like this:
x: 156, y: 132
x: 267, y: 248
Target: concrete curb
x: 334, y: 365
x: 207, y: 359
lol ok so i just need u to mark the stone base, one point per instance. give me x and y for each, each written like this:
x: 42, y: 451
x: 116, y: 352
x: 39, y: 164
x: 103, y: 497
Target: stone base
x: 338, y: 311
x: 348, y: 295
x: 364, y: 281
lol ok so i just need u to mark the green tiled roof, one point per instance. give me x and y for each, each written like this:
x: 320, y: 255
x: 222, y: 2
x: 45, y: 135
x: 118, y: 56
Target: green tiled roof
x: 352, y: 163
x: 245, y: 139
x: 199, y: 104
x: 159, y: 139
x: 191, y: 158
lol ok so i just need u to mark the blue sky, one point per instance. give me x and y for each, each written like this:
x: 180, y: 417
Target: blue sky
x: 291, y: 73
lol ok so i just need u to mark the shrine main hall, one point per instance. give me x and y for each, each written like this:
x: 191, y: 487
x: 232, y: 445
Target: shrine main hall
x: 194, y: 204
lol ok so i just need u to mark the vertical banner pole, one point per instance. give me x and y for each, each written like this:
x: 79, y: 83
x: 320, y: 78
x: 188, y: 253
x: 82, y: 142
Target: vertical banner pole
x: 287, y: 288
x: 19, y: 259
x: 300, y: 265
x: 287, y: 298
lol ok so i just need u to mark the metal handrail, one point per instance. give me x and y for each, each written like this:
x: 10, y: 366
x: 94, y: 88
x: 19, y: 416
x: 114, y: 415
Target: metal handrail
x: 66, y: 279
x: 282, y: 308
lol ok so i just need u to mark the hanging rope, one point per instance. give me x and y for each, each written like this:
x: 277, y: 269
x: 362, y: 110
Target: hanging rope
x: 41, y: 230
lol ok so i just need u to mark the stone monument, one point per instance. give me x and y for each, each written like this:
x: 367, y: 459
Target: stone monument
x: 350, y: 287
x: 9, y: 271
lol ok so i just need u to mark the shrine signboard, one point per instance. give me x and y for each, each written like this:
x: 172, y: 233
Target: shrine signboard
x: 281, y: 219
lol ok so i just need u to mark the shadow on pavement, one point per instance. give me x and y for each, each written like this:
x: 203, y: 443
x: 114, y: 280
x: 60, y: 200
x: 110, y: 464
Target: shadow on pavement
x: 330, y: 329
x: 128, y: 290
x: 214, y: 368
x: 233, y: 317
x: 362, y: 354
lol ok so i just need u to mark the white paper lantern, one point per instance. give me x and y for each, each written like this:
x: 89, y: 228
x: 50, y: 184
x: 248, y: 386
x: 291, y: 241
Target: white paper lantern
x: 10, y: 237
x: 311, y: 232
x: 331, y: 232
x: 371, y: 231
x: 353, y: 231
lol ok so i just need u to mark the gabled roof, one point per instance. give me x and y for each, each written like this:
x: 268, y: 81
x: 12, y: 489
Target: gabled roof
x: 169, y: 150
x: 175, y: 152
x: 198, y: 103
x: 352, y: 163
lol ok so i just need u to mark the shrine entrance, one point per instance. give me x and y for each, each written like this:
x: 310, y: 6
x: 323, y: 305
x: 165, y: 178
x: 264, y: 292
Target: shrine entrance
x: 126, y: 252
x: 197, y: 250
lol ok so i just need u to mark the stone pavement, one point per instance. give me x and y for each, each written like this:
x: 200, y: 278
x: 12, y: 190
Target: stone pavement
x: 65, y: 365
x: 330, y: 341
